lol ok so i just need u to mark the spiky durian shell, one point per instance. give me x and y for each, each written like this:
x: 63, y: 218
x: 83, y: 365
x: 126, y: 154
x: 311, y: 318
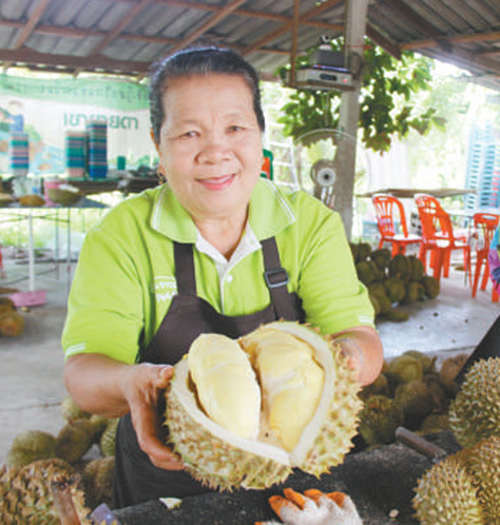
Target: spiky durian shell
x: 446, y: 495
x: 30, y: 446
x: 379, y: 419
x: 482, y: 462
x: 108, y: 438
x: 220, y: 460
x: 26, y: 496
x: 475, y: 412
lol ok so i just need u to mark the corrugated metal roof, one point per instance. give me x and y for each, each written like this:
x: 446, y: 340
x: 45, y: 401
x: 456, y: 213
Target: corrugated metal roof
x: 127, y: 35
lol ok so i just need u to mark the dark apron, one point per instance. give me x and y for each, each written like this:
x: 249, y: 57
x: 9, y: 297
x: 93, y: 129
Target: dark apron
x: 136, y: 478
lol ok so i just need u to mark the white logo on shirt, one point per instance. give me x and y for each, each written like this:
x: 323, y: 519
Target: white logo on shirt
x: 165, y: 288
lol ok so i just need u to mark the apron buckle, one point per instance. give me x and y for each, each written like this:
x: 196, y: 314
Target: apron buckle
x: 273, y: 279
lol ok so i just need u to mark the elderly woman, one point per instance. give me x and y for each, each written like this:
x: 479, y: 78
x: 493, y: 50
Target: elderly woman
x: 214, y: 249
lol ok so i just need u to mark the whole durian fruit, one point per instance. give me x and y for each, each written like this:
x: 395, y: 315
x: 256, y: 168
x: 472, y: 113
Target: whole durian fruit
x: 26, y: 496
x: 379, y: 419
x: 415, y: 401
x: 108, y: 438
x: 379, y: 386
x: 30, y: 446
x: 74, y: 440
x: 11, y: 324
x: 416, y: 268
x: 482, y: 462
x: 450, y: 368
x: 395, y: 289
x: 98, y: 481
x: 428, y: 363
x: 293, y: 403
x: 431, y: 286
x: 446, y: 495
x: 71, y: 411
x: 475, y: 412
x: 405, y: 368
x: 434, y: 423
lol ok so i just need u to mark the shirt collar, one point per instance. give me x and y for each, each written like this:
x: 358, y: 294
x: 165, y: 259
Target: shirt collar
x: 269, y: 213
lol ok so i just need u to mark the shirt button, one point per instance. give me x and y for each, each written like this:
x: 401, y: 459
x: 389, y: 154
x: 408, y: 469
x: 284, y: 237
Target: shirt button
x: 229, y: 278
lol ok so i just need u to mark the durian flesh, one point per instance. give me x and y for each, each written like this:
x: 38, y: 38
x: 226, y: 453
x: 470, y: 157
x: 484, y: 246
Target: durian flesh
x: 225, y: 383
x: 308, y: 410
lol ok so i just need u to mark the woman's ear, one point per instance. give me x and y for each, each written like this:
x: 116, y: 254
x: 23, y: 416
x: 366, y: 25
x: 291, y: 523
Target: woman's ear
x: 152, y: 135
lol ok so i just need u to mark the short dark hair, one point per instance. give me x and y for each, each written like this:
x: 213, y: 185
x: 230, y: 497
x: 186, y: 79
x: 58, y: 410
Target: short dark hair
x: 199, y: 61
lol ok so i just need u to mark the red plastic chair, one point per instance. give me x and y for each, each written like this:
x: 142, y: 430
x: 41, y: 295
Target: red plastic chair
x: 485, y: 224
x: 438, y: 236
x: 388, y: 210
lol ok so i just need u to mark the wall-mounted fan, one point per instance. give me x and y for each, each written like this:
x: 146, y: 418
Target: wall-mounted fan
x: 320, y: 160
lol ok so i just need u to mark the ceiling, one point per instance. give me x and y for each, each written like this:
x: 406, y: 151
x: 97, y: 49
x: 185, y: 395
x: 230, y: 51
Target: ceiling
x: 125, y: 36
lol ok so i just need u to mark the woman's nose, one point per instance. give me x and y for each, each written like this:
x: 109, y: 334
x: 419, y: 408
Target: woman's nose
x: 214, y: 149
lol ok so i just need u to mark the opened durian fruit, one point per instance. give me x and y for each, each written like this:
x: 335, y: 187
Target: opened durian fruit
x: 243, y: 413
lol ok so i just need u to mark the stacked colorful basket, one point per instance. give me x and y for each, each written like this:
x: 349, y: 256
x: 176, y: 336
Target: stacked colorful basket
x: 76, y: 148
x: 19, y: 154
x: 97, y: 149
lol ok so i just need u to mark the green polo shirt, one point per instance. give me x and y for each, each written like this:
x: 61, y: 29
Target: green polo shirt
x: 125, y: 277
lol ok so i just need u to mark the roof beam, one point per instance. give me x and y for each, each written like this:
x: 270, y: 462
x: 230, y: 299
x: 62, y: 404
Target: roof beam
x: 29, y: 26
x: 386, y: 44
x: 286, y: 27
x: 122, y: 24
x: 459, y: 39
x: 188, y: 4
x: 29, y: 56
x: 219, y: 15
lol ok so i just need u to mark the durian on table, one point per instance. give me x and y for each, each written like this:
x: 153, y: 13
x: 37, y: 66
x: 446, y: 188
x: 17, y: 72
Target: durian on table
x: 243, y: 413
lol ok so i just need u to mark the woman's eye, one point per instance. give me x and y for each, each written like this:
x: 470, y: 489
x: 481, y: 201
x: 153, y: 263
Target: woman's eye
x: 235, y: 128
x: 188, y: 134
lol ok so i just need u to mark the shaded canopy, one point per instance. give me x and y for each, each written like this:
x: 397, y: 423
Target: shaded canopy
x: 125, y: 36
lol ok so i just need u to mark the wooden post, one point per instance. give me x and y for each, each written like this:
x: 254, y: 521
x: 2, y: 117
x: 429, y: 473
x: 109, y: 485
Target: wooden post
x: 355, y: 27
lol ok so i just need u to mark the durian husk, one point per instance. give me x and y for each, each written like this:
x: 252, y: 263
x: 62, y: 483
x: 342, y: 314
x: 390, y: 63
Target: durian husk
x: 11, y: 324
x: 98, y: 481
x: 29, y: 446
x: 26, y: 496
x: 219, y: 459
x: 446, y: 495
x: 107, y: 442
x: 474, y: 414
x: 482, y: 461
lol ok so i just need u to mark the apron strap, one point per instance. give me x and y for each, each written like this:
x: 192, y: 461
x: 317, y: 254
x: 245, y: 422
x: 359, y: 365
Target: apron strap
x: 275, y: 275
x: 184, y: 269
x: 276, y: 278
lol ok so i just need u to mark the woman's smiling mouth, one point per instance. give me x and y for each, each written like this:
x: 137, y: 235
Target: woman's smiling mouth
x: 217, y: 183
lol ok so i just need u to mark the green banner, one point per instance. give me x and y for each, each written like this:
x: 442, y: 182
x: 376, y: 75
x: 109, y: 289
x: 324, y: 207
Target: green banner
x: 107, y: 93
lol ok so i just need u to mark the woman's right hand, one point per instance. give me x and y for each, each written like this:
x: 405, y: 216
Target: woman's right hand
x: 142, y: 386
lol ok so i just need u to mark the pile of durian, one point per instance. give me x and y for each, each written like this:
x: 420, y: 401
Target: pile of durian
x: 411, y: 391
x: 37, y: 458
x: 11, y: 321
x: 464, y: 488
x: 392, y: 281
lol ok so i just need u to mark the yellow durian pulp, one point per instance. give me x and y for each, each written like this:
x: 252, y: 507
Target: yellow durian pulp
x: 291, y: 382
x: 226, y: 384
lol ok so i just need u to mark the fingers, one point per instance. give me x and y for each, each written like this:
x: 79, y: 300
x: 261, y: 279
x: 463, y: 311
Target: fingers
x: 145, y: 386
x: 295, y: 497
x: 337, y: 497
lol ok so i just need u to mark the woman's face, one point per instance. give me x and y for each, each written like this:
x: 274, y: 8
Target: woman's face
x: 210, y: 144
